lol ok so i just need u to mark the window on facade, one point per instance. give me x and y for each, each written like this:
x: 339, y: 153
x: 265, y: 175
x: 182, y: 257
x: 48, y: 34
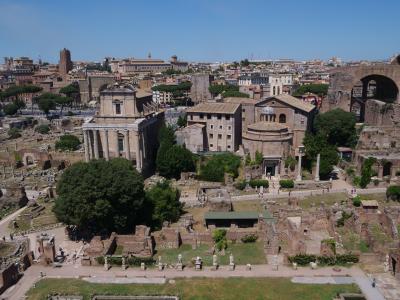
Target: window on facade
x: 211, y: 136
x: 219, y: 136
x: 211, y: 145
x: 229, y: 136
x: 279, y: 90
x: 220, y: 126
x: 229, y: 127
x: 273, y: 91
x: 208, y: 116
x: 243, y: 109
x: 191, y: 117
x: 117, y: 108
x: 120, y: 143
x: 211, y: 126
x: 219, y: 117
x: 201, y: 116
x: 229, y: 146
x: 282, y: 118
x: 227, y: 117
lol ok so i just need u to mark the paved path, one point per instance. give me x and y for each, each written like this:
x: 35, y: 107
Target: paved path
x: 32, y: 275
x: 4, y: 231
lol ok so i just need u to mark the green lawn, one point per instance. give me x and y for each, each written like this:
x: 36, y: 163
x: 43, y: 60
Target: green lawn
x: 250, y: 253
x: 197, y: 288
x: 328, y: 198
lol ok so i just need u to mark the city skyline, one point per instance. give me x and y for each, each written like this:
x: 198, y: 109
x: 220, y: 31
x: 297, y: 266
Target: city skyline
x: 200, y: 30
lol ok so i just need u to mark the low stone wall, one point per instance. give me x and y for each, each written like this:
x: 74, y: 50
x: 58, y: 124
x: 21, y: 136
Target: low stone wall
x: 371, y: 258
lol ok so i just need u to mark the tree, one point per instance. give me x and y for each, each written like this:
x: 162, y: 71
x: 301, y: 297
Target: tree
x: 165, y: 203
x: 10, y: 109
x: 182, y: 120
x: 101, y: 195
x: 62, y: 102
x: 393, y: 193
x: 319, y: 89
x: 43, y: 129
x: 46, y: 104
x: 366, y: 171
x: 14, y: 133
x: 71, y: 91
x: 244, y: 63
x: 318, y: 144
x: 176, y: 160
x: 217, y: 89
x: 234, y: 94
x: 216, y: 166
x: 68, y: 142
x: 20, y: 104
x: 338, y: 126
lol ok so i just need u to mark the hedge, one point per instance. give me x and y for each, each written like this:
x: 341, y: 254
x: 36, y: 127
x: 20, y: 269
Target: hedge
x: 393, y: 193
x: 241, y: 185
x: 249, y: 238
x: 131, y: 261
x: 340, y: 259
x: 259, y: 182
x: 286, y: 183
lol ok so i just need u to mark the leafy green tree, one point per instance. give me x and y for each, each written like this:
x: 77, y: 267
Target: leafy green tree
x: 367, y: 171
x: 47, y: 103
x: 164, y: 200
x: 43, y: 129
x: 20, y: 104
x: 315, y: 144
x: 182, y: 121
x: 176, y: 160
x: 14, y: 133
x: 68, y: 142
x: 318, y: 89
x: 258, y: 158
x: 62, y: 102
x: 217, y: 89
x: 244, y: 63
x: 235, y: 94
x: 393, y: 192
x: 215, y: 167
x: 338, y: 127
x: 101, y: 195
x: 10, y: 109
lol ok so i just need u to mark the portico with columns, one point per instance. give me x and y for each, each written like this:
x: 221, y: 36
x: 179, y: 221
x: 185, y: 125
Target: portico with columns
x: 129, y: 131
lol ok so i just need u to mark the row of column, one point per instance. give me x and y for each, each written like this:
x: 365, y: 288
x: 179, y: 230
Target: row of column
x: 92, y: 145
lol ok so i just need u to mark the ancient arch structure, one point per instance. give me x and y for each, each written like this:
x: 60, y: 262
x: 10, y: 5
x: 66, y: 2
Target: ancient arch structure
x: 350, y: 88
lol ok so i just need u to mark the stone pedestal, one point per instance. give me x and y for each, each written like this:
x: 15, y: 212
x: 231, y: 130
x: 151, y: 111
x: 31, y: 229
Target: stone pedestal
x: 231, y: 267
x: 179, y: 266
x: 248, y: 267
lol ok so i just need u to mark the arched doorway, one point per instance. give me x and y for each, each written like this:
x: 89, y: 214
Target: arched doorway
x: 373, y: 86
x: 29, y: 160
x: 387, y: 167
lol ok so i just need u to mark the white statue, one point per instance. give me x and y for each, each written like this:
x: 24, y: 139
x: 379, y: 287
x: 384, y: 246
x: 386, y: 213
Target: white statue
x: 179, y: 258
x: 231, y: 260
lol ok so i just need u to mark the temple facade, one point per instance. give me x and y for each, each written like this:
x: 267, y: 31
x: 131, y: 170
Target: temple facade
x: 126, y: 125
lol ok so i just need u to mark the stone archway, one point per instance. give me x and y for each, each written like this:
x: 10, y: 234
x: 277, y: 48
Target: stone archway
x: 28, y: 159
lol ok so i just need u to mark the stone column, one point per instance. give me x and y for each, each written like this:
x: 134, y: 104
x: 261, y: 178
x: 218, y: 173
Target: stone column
x: 86, y: 144
x: 127, y: 146
x: 117, y: 144
x: 380, y: 171
x: 106, y: 150
x: 299, y: 169
x: 317, y: 167
x: 137, y: 152
x: 96, y: 144
x: 91, y: 153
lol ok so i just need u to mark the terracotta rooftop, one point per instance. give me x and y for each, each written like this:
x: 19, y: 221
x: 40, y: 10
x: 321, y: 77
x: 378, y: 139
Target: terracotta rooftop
x: 292, y: 101
x: 216, y: 108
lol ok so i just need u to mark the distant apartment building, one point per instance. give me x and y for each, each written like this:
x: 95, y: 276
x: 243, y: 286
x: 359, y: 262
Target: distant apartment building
x: 219, y: 126
x: 252, y: 79
x: 199, y: 91
x: 178, y: 65
x: 161, y: 97
x: 139, y: 66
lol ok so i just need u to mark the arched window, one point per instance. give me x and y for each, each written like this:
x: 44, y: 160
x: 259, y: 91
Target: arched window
x: 273, y: 91
x: 279, y: 90
x: 282, y: 118
x: 120, y: 143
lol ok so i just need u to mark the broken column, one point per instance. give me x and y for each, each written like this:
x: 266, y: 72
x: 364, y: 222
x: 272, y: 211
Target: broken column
x: 317, y: 168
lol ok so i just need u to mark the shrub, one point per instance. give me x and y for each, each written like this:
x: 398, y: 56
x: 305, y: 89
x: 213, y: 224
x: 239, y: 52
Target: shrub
x: 357, y: 180
x: 343, y: 259
x: 14, y: 133
x: 132, y: 261
x: 357, y: 201
x: 290, y: 163
x: 326, y: 260
x: 219, y: 237
x: 393, y: 193
x: 303, y: 259
x: 216, y: 166
x: 259, y: 182
x: 10, y: 109
x: 241, y: 185
x: 43, y: 129
x: 68, y: 142
x: 286, y: 184
x: 249, y: 238
x: 345, y: 216
x: 376, y: 182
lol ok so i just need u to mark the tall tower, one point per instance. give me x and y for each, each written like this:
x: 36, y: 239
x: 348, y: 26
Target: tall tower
x: 65, y: 64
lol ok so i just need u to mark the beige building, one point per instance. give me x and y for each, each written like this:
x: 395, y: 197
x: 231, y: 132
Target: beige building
x: 126, y: 126
x: 222, y: 126
x: 280, y: 124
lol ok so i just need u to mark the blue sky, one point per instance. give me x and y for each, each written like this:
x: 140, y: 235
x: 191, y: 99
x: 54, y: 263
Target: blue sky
x: 200, y: 30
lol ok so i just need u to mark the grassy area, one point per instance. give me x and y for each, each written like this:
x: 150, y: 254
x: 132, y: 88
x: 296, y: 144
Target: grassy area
x: 118, y: 250
x: 381, y: 198
x: 45, y: 218
x: 352, y: 241
x: 252, y: 205
x: 198, y: 288
x: 327, y: 198
x: 6, y: 249
x: 250, y: 253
